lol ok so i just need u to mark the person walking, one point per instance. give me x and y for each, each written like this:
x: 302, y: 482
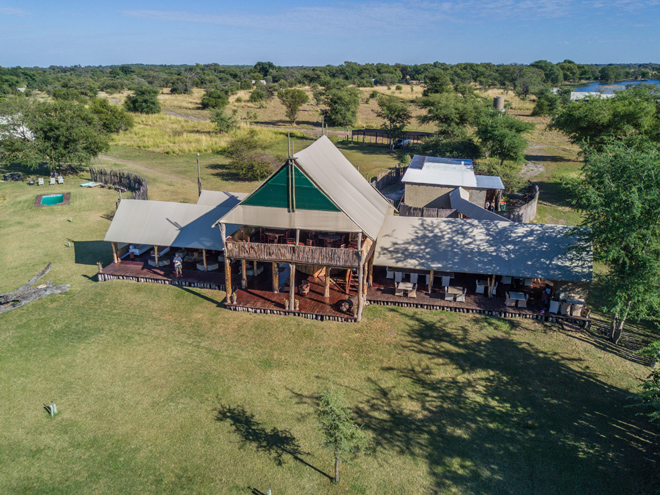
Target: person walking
x: 178, y: 266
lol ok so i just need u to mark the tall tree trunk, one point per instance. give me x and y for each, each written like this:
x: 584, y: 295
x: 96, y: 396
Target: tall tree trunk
x: 336, y: 466
x: 618, y: 330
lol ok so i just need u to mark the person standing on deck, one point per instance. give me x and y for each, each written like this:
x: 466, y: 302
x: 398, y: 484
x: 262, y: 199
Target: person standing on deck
x: 178, y: 266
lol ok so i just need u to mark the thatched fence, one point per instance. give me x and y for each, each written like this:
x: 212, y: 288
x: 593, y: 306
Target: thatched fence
x: 389, y: 177
x: 118, y: 178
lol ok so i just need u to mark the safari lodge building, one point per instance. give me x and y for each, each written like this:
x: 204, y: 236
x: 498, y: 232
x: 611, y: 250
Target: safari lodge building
x: 316, y: 240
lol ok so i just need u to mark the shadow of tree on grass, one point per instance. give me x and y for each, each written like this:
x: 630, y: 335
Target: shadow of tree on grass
x: 275, y: 442
x: 489, y: 414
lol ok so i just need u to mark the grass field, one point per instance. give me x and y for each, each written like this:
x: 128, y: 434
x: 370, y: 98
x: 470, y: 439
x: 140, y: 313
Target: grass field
x: 160, y: 390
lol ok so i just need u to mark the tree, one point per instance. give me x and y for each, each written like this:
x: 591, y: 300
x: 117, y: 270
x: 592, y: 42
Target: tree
x: 214, y: 98
x: 343, y: 106
x: 649, y: 396
x: 292, y: 99
x: 529, y: 80
x: 396, y: 115
x: 632, y: 114
x: 339, y: 431
x: 248, y: 158
x: 258, y: 95
x: 63, y: 134
x: 547, y: 103
x: 502, y: 136
x: 144, y: 100
x: 618, y: 195
x: 113, y: 118
x: 224, y: 121
x: 437, y: 81
x: 452, y: 113
x: 264, y: 68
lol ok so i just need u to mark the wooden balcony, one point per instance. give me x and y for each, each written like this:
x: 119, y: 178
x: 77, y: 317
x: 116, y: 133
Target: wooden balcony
x: 286, y: 253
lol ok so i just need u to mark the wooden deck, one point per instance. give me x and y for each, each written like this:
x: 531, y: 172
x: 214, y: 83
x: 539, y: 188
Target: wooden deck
x: 141, y: 271
x: 382, y: 293
x: 259, y: 298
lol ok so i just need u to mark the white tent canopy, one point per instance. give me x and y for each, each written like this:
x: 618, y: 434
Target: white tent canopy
x: 481, y: 247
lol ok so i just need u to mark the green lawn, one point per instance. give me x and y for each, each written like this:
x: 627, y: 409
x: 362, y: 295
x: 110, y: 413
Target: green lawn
x: 160, y: 390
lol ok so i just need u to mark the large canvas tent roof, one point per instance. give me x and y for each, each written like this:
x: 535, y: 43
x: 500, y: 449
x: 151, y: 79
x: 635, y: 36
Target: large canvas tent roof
x: 163, y: 223
x: 220, y: 198
x: 481, y: 247
x: 359, y: 207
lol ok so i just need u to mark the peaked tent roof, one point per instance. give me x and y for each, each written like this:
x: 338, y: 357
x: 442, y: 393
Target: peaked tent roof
x: 220, y: 198
x: 335, y: 177
x: 483, y: 247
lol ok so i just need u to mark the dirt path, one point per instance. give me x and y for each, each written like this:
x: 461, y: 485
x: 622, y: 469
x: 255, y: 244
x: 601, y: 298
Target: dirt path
x: 137, y: 166
x: 533, y: 168
x: 184, y: 116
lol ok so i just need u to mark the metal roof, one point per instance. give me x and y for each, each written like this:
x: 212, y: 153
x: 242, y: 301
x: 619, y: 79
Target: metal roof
x: 460, y: 201
x: 363, y: 208
x: 481, y: 247
x: 440, y: 171
x: 220, y: 198
x: 162, y: 223
x: 489, y: 182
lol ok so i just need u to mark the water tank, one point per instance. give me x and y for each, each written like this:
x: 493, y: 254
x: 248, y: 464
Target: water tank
x: 498, y: 102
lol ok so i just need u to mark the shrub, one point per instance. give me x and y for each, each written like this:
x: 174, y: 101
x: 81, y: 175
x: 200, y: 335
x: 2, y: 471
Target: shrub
x: 245, y: 84
x: 248, y: 159
x: 214, y: 98
x: 398, y: 87
x: 144, y: 100
x: 257, y: 95
x: 239, y: 99
x: 112, y: 118
x: 342, y: 106
x: 223, y: 121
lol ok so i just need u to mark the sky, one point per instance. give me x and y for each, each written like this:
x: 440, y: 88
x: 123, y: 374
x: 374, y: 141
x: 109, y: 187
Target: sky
x: 295, y: 33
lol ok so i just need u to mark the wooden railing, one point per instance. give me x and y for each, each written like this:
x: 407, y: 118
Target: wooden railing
x: 286, y: 253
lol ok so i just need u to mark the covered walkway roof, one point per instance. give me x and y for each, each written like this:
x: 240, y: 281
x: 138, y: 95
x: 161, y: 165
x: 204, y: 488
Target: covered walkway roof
x: 481, y: 247
x: 163, y: 223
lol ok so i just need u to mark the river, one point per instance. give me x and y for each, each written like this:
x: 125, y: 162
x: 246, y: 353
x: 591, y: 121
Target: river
x: 611, y: 87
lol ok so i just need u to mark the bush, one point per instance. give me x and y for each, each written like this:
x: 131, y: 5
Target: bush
x: 223, y: 121
x: 547, y: 103
x: 214, y: 98
x: 248, y: 159
x: 450, y: 148
x: 239, y: 99
x: 144, y: 100
x: 257, y: 95
x: 112, y: 118
x: 245, y: 84
x: 398, y: 87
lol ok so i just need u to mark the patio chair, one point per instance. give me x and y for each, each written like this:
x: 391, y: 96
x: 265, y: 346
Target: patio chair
x: 576, y: 309
x: 310, y: 242
x: 291, y: 240
x: 414, y: 277
x: 508, y: 301
x: 564, y: 309
x: 398, y: 276
x: 60, y: 179
x: 494, y: 293
x: 40, y: 182
x: 461, y: 297
x: 523, y: 303
x: 554, y: 307
x: 397, y: 291
x: 480, y: 288
x: 390, y: 273
x: 449, y: 297
x: 506, y: 280
x: 446, y: 280
x: 52, y: 181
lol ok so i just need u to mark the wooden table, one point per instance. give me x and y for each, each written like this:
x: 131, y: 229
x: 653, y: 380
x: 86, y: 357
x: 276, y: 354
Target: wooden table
x: 406, y: 287
x: 517, y: 296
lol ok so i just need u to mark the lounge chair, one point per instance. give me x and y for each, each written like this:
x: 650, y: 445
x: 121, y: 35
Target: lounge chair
x: 461, y: 297
x: 40, y: 182
x: 554, y: 307
x: 522, y: 303
x: 52, y: 181
x: 60, y: 179
x: 31, y: 181
x: 509, y: 302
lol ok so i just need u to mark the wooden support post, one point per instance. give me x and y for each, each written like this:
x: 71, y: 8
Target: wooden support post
x: 115, y: 255
x: 292, y: 285
x: 228, y: 287
x: 276, y: 278
x: 359, y: 242
x: 204, y: 258
x: 297, y: 236
x: 243, y: 274
x: 371, y: 271
x: 360, y: 292
x: 431, y: 275
x: 156, y: 254
x: 326, y: 289
x: 348, y: 277
x: 254, y: 268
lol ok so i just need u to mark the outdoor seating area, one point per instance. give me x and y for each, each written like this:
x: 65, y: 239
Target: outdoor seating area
x: 458, y: 291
